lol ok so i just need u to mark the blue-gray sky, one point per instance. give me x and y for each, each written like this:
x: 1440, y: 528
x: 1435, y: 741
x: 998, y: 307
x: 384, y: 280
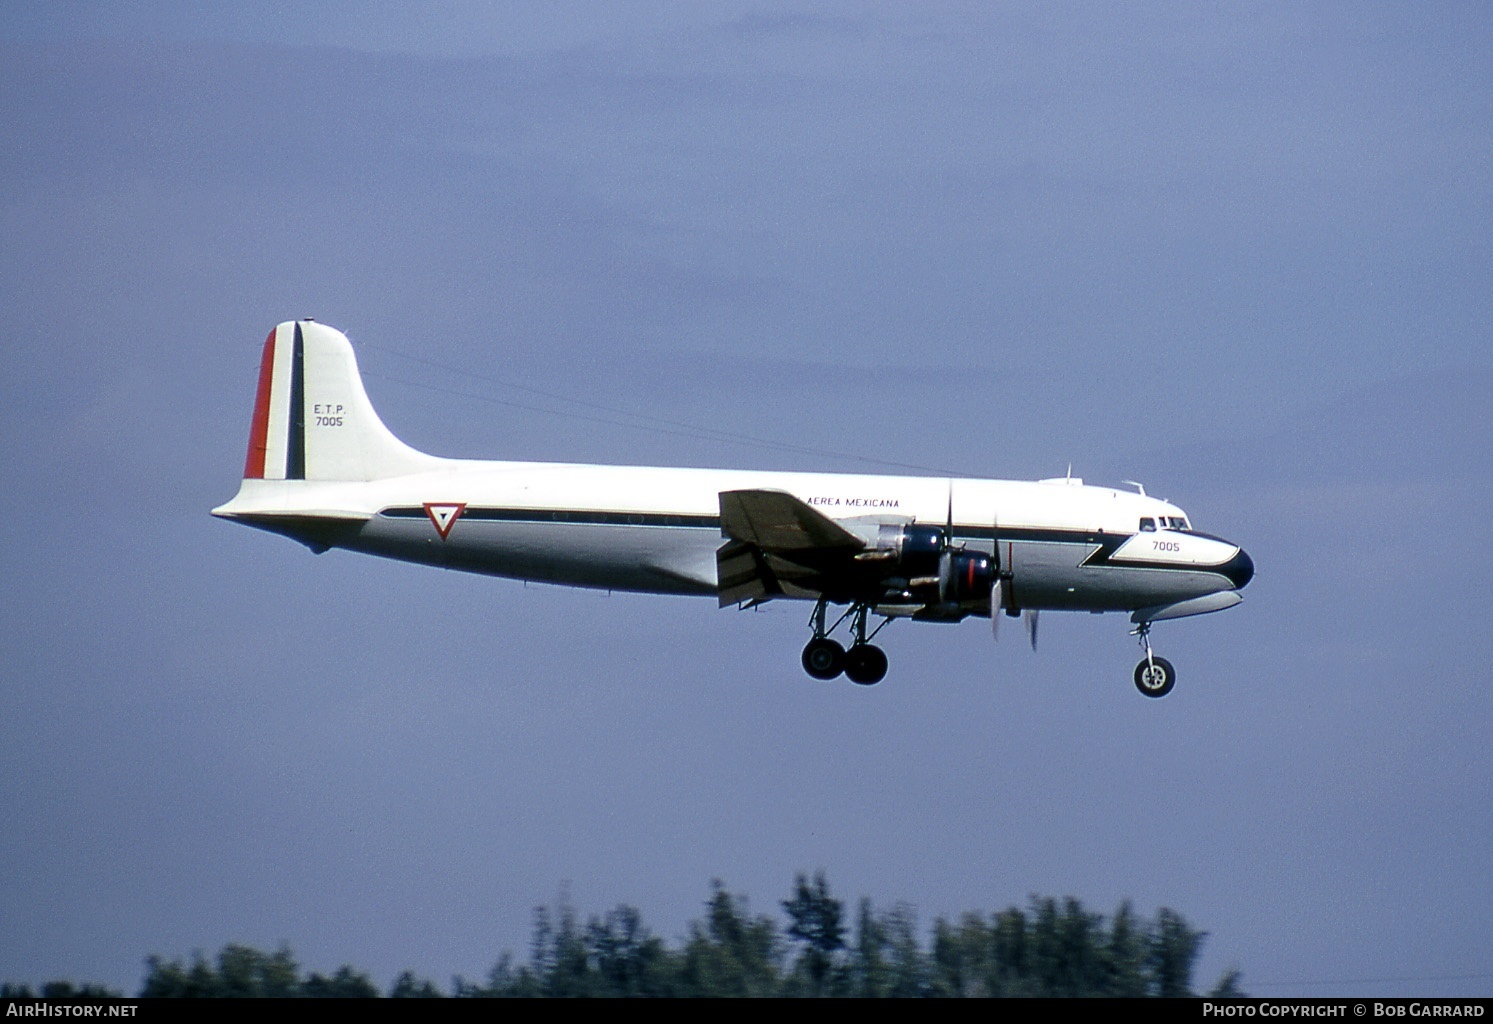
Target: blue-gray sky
x: 1239, y: 253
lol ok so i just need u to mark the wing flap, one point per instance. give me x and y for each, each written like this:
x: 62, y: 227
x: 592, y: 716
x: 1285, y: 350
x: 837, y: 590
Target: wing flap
x: 743, y: 575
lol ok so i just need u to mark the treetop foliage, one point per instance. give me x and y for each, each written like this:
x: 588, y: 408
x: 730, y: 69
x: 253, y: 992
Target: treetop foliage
x: 1048, y: 948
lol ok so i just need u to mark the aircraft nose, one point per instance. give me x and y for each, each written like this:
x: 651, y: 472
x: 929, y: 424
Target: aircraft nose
x: 1240, y: 569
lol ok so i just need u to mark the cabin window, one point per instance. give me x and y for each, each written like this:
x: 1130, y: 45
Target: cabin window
x: 1148, y: 525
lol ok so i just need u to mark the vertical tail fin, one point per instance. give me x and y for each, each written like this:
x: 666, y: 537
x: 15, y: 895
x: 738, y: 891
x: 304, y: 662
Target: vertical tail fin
x: 312, y: 418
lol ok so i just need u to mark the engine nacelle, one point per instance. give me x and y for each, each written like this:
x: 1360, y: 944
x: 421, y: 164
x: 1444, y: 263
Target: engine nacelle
x: 965, y: 576
x: 914, y: 549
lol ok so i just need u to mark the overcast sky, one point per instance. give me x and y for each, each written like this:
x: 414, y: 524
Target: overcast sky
x: 1239, y: 253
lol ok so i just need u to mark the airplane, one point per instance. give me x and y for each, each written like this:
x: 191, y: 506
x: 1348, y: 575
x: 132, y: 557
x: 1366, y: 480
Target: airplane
x: 323, y: 470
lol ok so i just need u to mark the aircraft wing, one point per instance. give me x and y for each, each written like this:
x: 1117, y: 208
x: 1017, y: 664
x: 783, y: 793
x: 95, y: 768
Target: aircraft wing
x: 775, y: 541
x: 777, y: 521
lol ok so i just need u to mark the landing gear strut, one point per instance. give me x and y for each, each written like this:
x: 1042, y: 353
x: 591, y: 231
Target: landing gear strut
x: 1154, y: 676
x: 824, y: 658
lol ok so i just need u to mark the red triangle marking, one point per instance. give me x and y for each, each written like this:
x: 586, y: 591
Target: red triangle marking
x: 444, y: 514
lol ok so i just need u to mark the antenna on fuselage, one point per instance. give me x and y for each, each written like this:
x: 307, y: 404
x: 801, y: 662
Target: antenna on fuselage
x: 1138, y: 487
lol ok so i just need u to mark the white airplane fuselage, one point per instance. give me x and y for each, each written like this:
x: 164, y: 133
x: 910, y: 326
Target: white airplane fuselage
x: 324, y: 470
x: 657, y: 529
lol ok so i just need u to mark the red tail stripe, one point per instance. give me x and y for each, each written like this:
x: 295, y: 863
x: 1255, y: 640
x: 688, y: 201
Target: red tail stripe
x: 260, y: 427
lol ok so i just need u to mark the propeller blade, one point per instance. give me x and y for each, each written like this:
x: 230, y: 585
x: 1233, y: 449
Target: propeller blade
x: 995, y: 541
x: 1005, y: 572
x: 1031, y: 626
x: 995, y: 609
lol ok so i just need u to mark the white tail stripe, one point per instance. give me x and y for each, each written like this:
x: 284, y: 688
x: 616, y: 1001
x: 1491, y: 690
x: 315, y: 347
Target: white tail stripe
x: 277, y: 436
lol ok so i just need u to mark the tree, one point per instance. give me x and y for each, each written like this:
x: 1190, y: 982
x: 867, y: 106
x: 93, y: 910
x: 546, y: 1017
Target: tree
x: 1174, y: 948
x: 407, y: 986
x: 1008, y: 939
x: 58, y: 990
x: 243, y: 972
x: 345, y: 984
x: 815, y: 921
x: 907, y: 964
x: 870, y: 971
x: 629, y: 960
x: 732, y: 953
x: 1227, y: 986
x: 1126, y: 954
x: 1051, y: 948
x: 960, y: 958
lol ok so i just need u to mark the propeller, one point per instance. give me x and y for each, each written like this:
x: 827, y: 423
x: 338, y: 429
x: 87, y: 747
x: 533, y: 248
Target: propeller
x: 1003, y: 590
x: 995, y: 588
x: 946, y: 556
x: 958, y: 570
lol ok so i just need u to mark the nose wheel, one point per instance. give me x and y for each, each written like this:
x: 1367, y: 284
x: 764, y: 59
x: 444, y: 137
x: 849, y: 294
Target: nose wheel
x: 1154, y: 676
x: 825, y: 658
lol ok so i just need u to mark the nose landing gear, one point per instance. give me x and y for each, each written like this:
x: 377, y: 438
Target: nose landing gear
x: 824, y: 658
x: 1154, y: 676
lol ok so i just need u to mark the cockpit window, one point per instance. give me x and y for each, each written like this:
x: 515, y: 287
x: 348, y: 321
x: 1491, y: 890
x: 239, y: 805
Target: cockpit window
x: 1177, y: 523
x: 1148, y: 525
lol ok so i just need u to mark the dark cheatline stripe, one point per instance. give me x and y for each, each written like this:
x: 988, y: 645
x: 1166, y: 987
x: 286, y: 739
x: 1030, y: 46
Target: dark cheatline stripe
x: 606, y: 518
x: 295, y: 455
x: 259, y: 426
x: 1050, y: 535
x: 584, y: 517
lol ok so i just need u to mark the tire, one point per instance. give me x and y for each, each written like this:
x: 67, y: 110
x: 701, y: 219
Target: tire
x: 823, y: 658
x: 1156, y: 677
x: 865, y: 664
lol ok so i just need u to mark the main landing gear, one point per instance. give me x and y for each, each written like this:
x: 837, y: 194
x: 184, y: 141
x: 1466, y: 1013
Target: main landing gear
x: 824, y: 658
x: 1154, y: 676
